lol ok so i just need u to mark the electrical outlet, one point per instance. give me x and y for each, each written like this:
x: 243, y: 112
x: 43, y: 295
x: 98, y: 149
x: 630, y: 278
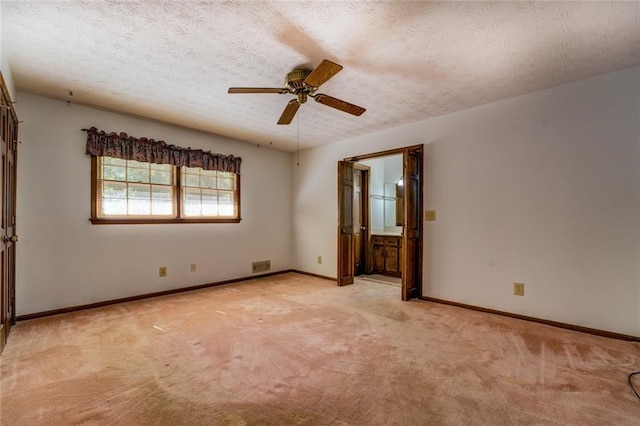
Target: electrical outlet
x: 193, y: 267
x: 518, y: 289
x: 163, y: 271
x: 430, y: 215
x: 319, y: 260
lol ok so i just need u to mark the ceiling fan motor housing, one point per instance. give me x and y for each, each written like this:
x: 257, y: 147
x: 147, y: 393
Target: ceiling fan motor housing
x: 295, y: 80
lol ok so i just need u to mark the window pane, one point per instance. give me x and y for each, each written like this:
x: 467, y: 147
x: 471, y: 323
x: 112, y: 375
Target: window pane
x: 139, y: 191
x: 114, y: 173
x: 139, y: 207
x: 208, y: 182
x: 161, y: 207
x: 191, y: 209
x: 161, y: 192
x: 114, y: 206
x: 114, y: 190
x: 209, y: 209
x: 162, y: 167
x: 209, y: 196
x: 114, y: 161
x: 114, y: 198
x: 226, y: 181
x: 226, y: 207
x: 209, y: 203
x: 191, y: 194
x: 138, y: 175
x: 159, y: 176
x: 191, y: 202
x: 191, y: 180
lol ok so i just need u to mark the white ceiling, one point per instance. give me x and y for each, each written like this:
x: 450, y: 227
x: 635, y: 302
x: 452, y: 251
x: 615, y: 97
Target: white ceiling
x: 403, y: 61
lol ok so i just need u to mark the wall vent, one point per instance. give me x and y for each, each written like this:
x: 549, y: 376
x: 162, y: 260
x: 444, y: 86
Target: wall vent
x: 260, y: 266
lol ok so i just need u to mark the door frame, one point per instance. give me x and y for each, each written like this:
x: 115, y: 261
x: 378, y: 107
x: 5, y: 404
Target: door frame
x: 8, y: 238
x: 412, y: 214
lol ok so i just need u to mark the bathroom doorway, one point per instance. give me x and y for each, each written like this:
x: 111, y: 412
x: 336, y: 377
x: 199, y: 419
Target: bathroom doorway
x: 380, y: 226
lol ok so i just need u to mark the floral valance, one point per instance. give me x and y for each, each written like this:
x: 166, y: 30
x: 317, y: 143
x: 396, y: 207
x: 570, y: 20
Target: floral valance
x: 102, y: 144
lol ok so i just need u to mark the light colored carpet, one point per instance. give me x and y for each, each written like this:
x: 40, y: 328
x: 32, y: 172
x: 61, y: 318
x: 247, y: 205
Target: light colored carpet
x: 292, y: 349
x: 381, y: 279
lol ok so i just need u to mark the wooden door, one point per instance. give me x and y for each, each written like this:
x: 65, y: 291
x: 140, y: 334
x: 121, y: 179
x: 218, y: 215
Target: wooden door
x: 8, y: 238
x: 346, y: 257
x: 412, y: 232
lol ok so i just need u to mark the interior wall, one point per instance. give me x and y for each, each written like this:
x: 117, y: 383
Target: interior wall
x: 63, y: 260
x: 542, y: 189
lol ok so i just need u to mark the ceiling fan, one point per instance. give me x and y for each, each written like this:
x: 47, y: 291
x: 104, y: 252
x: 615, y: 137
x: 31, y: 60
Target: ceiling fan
x: 304, y: 83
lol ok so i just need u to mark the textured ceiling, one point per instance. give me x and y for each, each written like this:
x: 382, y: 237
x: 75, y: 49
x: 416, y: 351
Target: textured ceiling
x: 403, y: 61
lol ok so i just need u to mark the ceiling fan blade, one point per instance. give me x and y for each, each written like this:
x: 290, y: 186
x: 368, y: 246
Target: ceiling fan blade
x: 289, y: 112
x: 322, y: 73
x: 339, y: 104
x: 256, y: 90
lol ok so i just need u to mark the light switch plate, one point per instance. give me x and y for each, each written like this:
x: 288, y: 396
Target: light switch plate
x: 430, y: 215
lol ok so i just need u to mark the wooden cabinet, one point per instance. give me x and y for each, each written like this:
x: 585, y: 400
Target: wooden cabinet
x: 386, y: 252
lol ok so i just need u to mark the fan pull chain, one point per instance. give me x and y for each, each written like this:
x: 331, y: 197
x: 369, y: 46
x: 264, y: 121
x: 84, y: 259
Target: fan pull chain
x: 298, y: 140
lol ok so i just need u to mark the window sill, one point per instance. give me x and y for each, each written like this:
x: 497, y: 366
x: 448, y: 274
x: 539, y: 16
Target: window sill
x: 125, y: 221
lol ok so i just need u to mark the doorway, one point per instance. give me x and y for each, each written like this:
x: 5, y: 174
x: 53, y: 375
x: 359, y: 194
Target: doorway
x: 8, y: 237
x: 392, y: 245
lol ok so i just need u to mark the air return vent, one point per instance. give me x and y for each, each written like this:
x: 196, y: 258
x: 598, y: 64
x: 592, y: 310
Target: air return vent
x: 260, y: 266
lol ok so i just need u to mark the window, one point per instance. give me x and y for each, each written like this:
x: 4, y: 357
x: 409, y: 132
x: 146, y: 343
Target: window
x: 129, y: 191
x: 208, y: 193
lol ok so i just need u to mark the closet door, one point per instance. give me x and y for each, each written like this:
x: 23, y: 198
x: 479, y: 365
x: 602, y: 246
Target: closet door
x: 8, y: 237
x: 346, y: 268
x: 412, y: 232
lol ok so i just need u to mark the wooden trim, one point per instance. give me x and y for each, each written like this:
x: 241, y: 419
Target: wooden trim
x: 105, y: 221
x: 238, y: 186
x: 143, y: 296
x: 324, y: 277
x: 384, y: 153
x: 177, y: 193
x: 421, y: 221
x: 94, y: 186
x: 566, y: 326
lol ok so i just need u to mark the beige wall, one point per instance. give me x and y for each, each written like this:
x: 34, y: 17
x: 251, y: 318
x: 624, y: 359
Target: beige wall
x: 542, y: 189
x: 64, y: 260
